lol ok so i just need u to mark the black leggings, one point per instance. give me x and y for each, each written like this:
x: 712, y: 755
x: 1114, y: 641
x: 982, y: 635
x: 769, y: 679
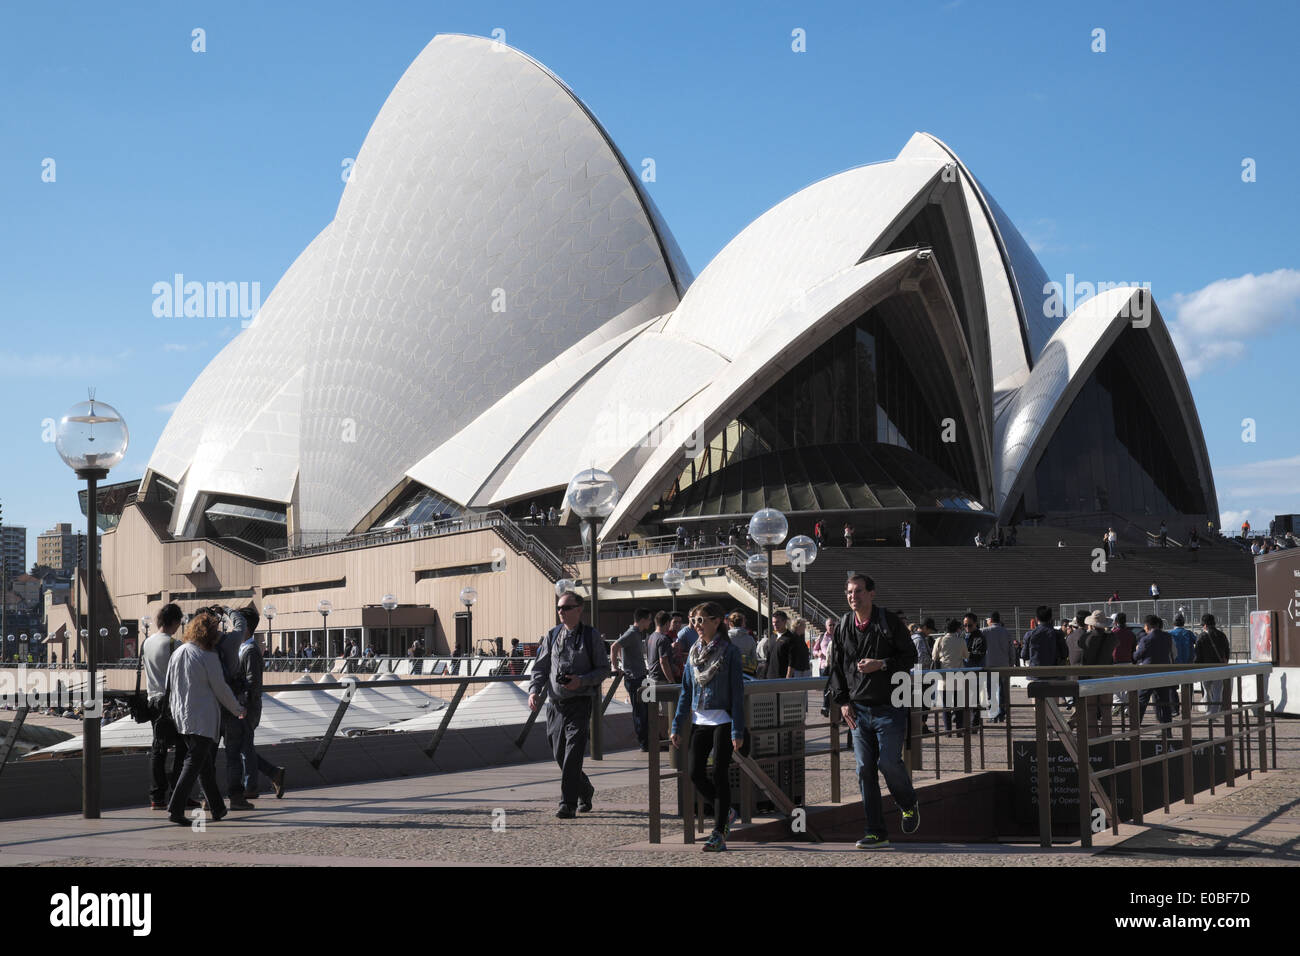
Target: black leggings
x: 717, y: 790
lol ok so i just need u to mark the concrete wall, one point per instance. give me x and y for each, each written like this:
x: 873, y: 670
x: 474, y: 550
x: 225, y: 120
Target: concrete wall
x: 39, y: 787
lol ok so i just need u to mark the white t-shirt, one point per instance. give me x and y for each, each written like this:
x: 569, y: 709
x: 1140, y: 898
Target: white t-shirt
x: 712, y: 717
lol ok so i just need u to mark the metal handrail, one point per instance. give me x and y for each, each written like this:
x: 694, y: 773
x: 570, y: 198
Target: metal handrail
x: 661, y: 696
x: 1094, y: 730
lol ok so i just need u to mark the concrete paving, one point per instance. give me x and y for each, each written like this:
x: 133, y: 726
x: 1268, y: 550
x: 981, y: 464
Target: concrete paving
x: 505, y: 816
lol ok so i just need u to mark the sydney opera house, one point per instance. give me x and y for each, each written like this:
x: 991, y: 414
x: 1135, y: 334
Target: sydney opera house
x: 497, y: 304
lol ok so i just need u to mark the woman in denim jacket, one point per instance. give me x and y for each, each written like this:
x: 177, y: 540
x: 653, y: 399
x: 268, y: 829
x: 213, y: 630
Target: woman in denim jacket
x: 714, y: 685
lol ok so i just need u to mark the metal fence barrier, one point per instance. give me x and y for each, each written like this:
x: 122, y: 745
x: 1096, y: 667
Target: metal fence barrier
x: 1091, y: 727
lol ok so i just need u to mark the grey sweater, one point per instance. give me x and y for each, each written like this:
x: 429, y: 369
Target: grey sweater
x: 199, y: 691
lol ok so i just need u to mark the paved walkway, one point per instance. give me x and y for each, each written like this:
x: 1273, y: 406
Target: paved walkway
x: 504, y: 816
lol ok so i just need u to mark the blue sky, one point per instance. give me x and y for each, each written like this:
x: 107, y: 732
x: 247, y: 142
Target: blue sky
x: 1123, y: 165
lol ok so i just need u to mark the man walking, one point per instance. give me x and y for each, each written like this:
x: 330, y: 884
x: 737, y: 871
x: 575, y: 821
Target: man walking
x: 1155, y: 647
x: 870, y: 646
x: 157, y: 651
x: 1212, y: 648
x: 571, y: 664
x: 251, y: 666
x: 997, y: 654
x: 627, y: 657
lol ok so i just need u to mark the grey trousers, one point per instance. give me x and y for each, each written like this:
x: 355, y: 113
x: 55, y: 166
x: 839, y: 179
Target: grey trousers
x: 568, y: 727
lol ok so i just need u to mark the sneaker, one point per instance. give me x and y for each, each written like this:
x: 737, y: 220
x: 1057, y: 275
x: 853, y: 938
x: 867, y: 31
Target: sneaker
x: 872, y: 842
x: 912, y: 819
x: 155, y: 805
x: 564, y: 813
x: 239, y: 803
x: 716, y: 843
x: 733, y: 817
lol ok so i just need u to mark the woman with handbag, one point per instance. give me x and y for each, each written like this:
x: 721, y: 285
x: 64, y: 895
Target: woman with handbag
x: 196, y: 692
x: 713, y: 687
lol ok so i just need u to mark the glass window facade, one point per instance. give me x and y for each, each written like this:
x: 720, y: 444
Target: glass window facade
x: 1122, y: 446
x: 854, y: 426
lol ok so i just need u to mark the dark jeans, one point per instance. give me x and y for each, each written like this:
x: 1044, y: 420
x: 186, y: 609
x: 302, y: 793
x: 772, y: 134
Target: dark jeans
x: 165, y: 737
x: 878, y: 746
x: 715, y: 789
x: 640, y: 709
x: 568, y: 727
x: 233, y: 732
x: 1164, y: 703
x: 198, y: 765
x: 250, y: 762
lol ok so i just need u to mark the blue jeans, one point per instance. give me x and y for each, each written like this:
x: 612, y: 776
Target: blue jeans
x: 640, y: 709
x: 878, y: 746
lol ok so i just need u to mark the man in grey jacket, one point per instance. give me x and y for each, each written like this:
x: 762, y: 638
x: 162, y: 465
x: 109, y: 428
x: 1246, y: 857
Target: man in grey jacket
x: 157, y: 651
x: 997, y: 654
x: 571, y: 665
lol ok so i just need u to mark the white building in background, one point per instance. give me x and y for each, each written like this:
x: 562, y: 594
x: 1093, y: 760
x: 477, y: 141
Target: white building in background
x: 498, y: 304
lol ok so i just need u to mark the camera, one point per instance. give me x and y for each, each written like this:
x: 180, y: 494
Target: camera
x: 562, y: 675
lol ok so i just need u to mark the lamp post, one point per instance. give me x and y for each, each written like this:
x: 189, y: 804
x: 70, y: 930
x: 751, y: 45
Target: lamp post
x: 674, y: 578
x: 91, y: 438
x: 768, y: 527
x: 388, y: 602
x: 122, y: 632
x: 563, y: 585
x: 325, y: 607
x: 802, y: 551
x: 592, y: 495
x: 36, y: 642
x: 756, y: 567
x: 467, y: 597
x: 268, y: 611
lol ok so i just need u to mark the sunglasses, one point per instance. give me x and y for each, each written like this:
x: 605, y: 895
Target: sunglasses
x: 567, y: 607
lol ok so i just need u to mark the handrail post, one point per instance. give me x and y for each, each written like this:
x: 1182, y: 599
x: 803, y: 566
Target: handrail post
x: 1188, y: 784
x: 1261, y: 692
x: 1005, y: 678
x: 835, y: 751
x: 446, y: 719
x: 1085, y: 773
x: 1229, y: 735
x: 652, y: 733
x: 344, y: 703
x: 685, y: 785
x: 965, y: 739
x: 1044, y: 773
x: 1135, y: 757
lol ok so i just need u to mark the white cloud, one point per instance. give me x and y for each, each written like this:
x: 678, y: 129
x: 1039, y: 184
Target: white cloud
x: 1275, y: 478
x: 47, y: 365
x: 181, y: 347
x: 1209, y: 325
x: 168, y: 408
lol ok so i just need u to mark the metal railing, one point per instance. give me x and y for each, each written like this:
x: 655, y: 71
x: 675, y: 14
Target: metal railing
x: 520, y: 540
x: 1231, y: 614
x: 1092, y: 727
x: 349, y: 685
x: 663, y: 699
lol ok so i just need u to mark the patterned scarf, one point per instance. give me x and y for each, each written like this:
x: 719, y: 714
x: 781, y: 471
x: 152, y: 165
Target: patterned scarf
x: 707, y: 660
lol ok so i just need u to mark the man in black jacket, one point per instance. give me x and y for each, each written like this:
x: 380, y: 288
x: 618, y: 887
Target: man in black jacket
x: 869, y: 647
x: 251, y: 667
x: 1212, y: 648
